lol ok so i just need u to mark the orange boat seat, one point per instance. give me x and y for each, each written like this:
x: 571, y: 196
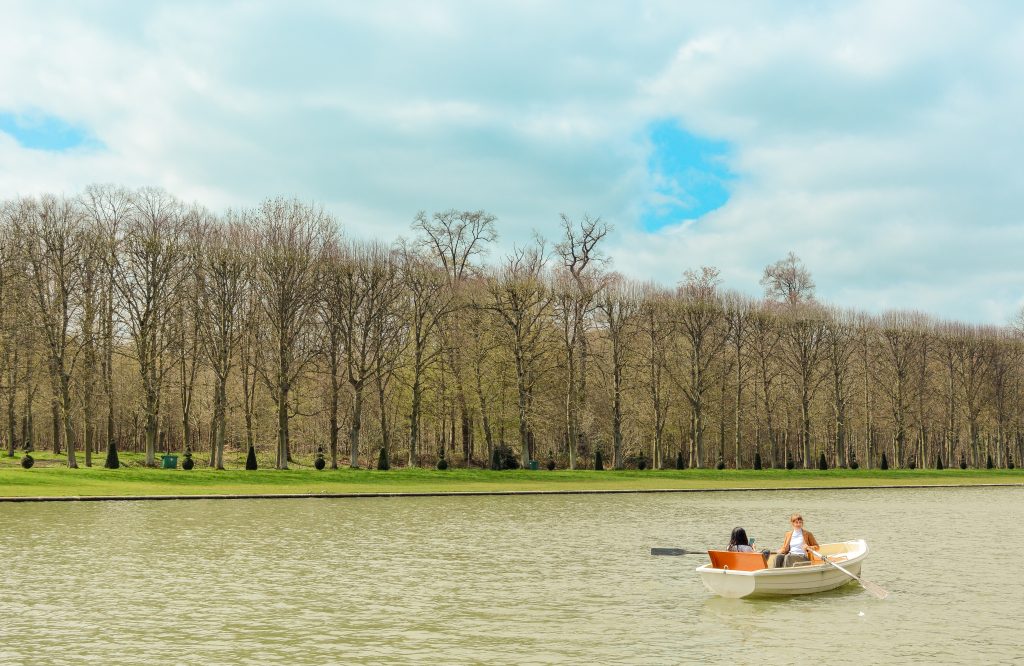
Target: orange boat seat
x: 726, y: 559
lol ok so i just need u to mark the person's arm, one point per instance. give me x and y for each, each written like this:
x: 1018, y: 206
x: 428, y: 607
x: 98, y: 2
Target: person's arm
x: 785, y: 544
x: 810, y: 540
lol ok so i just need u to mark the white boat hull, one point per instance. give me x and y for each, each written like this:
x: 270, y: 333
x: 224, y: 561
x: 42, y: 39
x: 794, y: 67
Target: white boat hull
x: 790, y: 580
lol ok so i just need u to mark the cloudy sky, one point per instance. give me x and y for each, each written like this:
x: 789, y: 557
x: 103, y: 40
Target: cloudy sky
x: 880, y: 141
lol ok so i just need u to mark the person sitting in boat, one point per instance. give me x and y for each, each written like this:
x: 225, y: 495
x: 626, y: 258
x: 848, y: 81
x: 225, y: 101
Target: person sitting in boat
x: 798, y: 540
x: 738, y: 541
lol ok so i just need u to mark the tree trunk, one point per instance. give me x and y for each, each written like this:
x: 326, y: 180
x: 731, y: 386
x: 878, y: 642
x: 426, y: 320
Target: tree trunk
x: 357, y: 424
x: 69, y: 431
x: 12, y: 418
x: 484, y: 415
x: 282, y: 427
x: 385, y: 437
x: 414, y: 419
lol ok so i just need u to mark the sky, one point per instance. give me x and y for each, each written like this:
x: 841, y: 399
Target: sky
x: 879, y: 141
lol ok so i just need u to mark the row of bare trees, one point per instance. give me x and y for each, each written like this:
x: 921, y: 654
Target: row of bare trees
x: 139, y: 322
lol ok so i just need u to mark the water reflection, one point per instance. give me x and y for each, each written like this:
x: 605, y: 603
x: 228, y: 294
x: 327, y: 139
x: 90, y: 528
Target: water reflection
x: 497, y: 580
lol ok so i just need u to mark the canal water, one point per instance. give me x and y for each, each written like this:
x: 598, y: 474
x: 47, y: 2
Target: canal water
x: 502, y: 580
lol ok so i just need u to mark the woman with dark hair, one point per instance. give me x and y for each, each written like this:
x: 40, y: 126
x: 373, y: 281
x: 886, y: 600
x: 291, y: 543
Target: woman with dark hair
x: 738, y: 541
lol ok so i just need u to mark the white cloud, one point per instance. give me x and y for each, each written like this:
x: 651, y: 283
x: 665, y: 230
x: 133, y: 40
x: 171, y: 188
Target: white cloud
x: 879, y: 141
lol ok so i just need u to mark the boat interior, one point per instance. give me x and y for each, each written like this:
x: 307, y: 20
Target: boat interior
x: 733, y: 561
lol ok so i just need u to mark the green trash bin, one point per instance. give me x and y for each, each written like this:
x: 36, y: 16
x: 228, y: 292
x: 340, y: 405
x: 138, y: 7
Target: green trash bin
x: 534, y: 465
x: 169, y: 462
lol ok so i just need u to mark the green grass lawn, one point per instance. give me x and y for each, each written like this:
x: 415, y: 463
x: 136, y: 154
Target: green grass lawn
x: 50, y: 477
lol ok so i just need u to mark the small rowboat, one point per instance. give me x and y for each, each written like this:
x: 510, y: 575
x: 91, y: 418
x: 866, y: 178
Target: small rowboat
x: 736, y: 575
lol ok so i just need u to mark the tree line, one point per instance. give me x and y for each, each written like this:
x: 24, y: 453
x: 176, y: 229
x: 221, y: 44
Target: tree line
x: 131, y: 320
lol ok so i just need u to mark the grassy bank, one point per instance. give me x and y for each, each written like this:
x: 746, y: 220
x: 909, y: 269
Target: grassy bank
x: 50, y: 477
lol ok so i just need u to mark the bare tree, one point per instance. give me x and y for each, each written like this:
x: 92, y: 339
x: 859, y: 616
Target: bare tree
x: 619, y: 303
x: 518, y: 295
x: 481, y: 345
x: 52, y: 236
x: 332, y: 305
x: 429, y: 300
x: 737, y: 316
x: 898, y: 350
x: 839, y: 341
x: 12, y: 316
x: 108, y: 207
x: 765, y: 342
x: 788, y: 281
x: 574, y: 298
x: 803, y: 348
x: 187, y: 321
x: 970, y: 350
x: 289, y: 245
x: 91, y: 270
x: 149, y: 273
x: 371, y: 323
x: 656, y: 330
x: 222, y: 283
x: 456, y: 237
x: 699, y: 315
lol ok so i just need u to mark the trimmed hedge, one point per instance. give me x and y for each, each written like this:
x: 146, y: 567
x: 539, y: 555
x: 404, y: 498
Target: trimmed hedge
x: 250, y: 459
x: 112, y: 461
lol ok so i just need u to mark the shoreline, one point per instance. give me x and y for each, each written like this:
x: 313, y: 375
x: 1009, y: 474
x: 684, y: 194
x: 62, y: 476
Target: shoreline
x: 482, y: 493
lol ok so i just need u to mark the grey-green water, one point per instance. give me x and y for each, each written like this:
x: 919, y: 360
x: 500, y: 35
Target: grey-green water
x: 501, y: 580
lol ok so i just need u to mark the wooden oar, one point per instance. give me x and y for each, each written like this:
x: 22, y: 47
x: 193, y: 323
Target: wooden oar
x: 683, y: 551
x: 876, y: 590
x: 676, y: 551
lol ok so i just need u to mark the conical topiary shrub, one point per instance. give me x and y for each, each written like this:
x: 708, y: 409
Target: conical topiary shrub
x: 822, y: 463
x: 680, y: 461
x: 319, y: 461
x: 938, y: 462
x: 757, y: 460
x: 963, y: 462
x: 442, y: 464
x: 250, y: 460
x: 853, y: 460
x: 720, y: 464
x: 789, y: 461
x: 912, y: 464
x: 27, y: 461
x: 383, y: 463
x: 188, y: 463
x: 112, y: 461
x: 988, y: 462
x: 885, y: 462
x: 598, y: 462
x: 551, y: 464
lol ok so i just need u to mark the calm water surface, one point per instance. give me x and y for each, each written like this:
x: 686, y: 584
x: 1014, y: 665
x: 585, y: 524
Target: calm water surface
x: 501, y: 580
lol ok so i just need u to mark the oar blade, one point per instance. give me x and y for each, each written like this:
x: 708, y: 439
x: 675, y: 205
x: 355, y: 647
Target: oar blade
x: 875, y: 590
x: 668, y: 551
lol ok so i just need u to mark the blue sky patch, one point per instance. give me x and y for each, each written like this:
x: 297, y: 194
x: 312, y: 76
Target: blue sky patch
x: 690, y: 175
x: 42, y: 132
